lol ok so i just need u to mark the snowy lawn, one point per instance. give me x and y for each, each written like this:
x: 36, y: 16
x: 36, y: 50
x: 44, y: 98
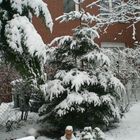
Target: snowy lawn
x: 8, y: 113
x: 22, y: 129
x: 129, y: 127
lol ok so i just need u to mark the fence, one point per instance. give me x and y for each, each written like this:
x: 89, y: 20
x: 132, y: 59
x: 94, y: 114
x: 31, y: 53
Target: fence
x: 133, y: 90
x: 8, y: 114
x: 10, y: 118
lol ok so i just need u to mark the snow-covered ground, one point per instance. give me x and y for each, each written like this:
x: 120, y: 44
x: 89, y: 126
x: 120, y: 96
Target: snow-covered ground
x: 128, y: 128
x: 8, y: 113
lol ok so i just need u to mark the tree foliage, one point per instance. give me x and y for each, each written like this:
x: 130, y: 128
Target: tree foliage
x: 20, y: 43
x: 83, y: 91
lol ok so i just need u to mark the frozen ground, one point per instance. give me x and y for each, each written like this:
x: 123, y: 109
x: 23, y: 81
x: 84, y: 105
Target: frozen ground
x: 21, y: 130
x: 128, y: 128
x: 8, y: 113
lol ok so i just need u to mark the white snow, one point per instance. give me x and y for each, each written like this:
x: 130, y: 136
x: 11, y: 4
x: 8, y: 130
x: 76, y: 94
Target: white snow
x: 134, y: 32
x: 8, y: 113
x: 82, y: 15
x: 20, y: 31
x: 129, y: 127
x: 38, y: 7
x: 89, y: 32
x: 98, y: 57
x: 77, y: 79
x: 67, y: 104
x: 54, y: 88
x: 27, y: 138
x: 60, y: 40
x: 118, y: 86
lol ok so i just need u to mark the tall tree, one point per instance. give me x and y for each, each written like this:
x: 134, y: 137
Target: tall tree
x: 83, y: 91
x: 20, y: 43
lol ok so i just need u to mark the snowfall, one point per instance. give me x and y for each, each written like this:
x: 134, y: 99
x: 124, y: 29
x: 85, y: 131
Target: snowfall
x: 127, y: 129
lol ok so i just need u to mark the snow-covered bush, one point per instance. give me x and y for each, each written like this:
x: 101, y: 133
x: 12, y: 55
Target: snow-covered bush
x: 125, y: 66
x: 92, y: 134
x: 124, y: 63
x: 83, y: 91
x: 20, y: 42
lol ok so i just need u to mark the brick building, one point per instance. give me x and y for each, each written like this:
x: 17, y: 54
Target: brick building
x: 116, y: 34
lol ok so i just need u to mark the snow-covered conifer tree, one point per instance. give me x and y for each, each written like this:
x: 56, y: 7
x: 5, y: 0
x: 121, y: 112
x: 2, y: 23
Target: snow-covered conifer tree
x: 20, y: 43
x: 83, y: 92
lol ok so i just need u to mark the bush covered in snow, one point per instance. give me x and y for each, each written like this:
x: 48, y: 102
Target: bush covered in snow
x: 91, y: 134
x: 124, y: 63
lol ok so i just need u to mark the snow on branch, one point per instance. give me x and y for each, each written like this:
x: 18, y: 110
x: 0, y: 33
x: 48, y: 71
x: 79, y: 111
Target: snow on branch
x: 79, y: 15
x: 103, y: 80
x: 36, y: 7
x: 77, y: 79
x: 89, y: 32
x: 106, y: 98
x: 60, y: 41
x: 110, y: 101
x: 53, y: 88
x: 67, y: 105
x: 97, y: 57
x: 91, y: 97
x: 21, y: 34
x: 117, y: 85
x: 60, y: 74
x: 74, y: 101
x: 94, y: 3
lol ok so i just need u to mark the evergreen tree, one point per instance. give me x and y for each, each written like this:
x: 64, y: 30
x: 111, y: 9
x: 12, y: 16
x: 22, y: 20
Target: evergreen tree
x: 83, y: 92
x: 20, y: 43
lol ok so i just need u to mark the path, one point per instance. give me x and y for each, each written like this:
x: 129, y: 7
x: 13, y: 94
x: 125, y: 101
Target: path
x: 129, y: 127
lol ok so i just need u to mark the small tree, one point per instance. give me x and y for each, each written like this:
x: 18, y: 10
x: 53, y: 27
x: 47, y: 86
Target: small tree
x: 83, y: 92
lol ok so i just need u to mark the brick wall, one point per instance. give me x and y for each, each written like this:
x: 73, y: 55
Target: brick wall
x: 112, y: 33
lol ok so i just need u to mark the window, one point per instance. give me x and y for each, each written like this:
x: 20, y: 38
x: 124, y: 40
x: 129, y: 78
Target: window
x: 70, y: 5
x: 113, y: 45
x: 108, y: 5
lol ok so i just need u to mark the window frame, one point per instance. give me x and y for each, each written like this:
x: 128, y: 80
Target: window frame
x: 76, y: 7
